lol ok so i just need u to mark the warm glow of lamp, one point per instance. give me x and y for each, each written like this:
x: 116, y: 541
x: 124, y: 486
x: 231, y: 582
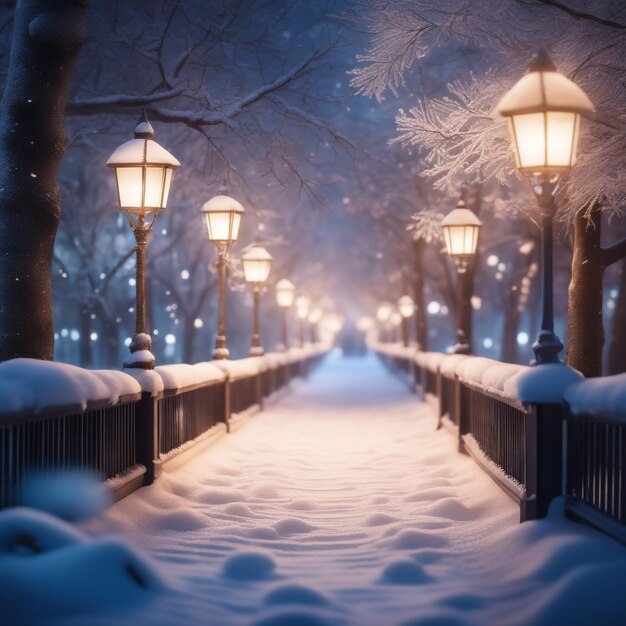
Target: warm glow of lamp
x: 143, y: 171
x: 222, y: 215
x: 460, y: 230
x: 543, y: 109
x: 302, y: 307
x: 256, y: 264
x: 384, y: 312
x: 315, y: 316
x: 285, y: 292
x: 406, y: 306
x: 395, y: 318
x: 364, y: 324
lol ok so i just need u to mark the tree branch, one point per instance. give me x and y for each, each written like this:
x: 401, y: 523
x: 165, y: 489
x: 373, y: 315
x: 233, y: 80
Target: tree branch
x: 582, y: 15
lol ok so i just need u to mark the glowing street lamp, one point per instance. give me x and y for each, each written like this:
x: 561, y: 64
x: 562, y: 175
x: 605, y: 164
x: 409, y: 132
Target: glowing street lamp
x: 406, y: 308
x: 285, y: 292
x: 461, y: 228
x: 257, y: 262
x: 302, y: 311
x: 143, y: 172
x: 314, y: 318
x: 383, y: 313
x: 544, y: 109
x: 222, y: 215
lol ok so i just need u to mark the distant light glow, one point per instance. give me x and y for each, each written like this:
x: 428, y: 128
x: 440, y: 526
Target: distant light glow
x: 492, y: 260
x: 127, y: 341
x: 132, y: 282
x: 502, y: 267
x: 198, y: 323
x: 610, y: 304
x: 433, y: 307
x: 102, y: 275
x: 170, y: 339
x: 74, y: 335
x: 64, y: 332
x: 522, y: 338
x: 185, y: 274
x: 476, y: 303
x: 614, y: 293
x: 93, y: 336
x: 487, y: 342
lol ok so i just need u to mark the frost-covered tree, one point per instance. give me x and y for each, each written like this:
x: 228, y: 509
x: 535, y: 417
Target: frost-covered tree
x: 487, y: 44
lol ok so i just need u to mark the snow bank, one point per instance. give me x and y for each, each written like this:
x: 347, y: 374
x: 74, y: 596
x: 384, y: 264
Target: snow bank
x: 51, y: 571
x: 491, y: 376
x: 449, y: 363
x: 394, y: 350
x: 31, y: 387
x: 546, y: 383
x: 242, y: 368
x: 429, y: 360
x: 600, y: 397
x: 183, y: 375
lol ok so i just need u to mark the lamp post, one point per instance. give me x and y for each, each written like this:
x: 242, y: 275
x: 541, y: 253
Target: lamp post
x: 396, y: 321
x: 302, y: 311
x: 285, y: 292
x: 383, y: 313
x: 314, y: 319
x: 543, y: 109
x: 143, y: 172
x: 461, y: 228
x: 256, y: 268
x: 222, y: 215
x: 406, y: 308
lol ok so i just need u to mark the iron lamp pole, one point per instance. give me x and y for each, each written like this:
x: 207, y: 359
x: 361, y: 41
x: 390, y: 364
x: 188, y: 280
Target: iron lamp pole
x: 406, y: 308
x: 257, y: 262
x: 285, y: 292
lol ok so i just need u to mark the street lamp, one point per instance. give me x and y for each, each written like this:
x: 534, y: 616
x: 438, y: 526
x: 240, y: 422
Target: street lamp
x: 406, y: 308
x: 222, y: 215
x: 285, y: 292
x: 543, y: 109
x: 143, y: 173
x: 302, y: 311
x: 256, y: 269
x: 314, y: 318
x: 395, y: 319
x: 383, y: 313
x: 461, y: 228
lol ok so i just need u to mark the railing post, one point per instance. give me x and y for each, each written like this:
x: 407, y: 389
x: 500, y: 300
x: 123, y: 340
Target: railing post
x: 544, y: 459
x: 147, y: 434
x: 462, y: 410
x: 227, y: 400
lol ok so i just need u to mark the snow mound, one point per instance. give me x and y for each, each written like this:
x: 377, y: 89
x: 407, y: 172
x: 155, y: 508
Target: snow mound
x: 250, y: 566
x: 48, y: 570
x: 295, y: 618
x: 410, y: 539
x: 182, y: 520
x: 295, y: 594
x: 546, y: 383
x: 404, y: 572
x: 380, y: 519
x: 292, y: 526
x: 220, y: 496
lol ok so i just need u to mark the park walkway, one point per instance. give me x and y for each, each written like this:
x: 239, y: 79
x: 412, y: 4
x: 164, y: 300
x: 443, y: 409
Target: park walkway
x: 340, y: 503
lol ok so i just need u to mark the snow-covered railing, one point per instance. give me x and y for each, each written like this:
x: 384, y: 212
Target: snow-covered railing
x: 127, y: 426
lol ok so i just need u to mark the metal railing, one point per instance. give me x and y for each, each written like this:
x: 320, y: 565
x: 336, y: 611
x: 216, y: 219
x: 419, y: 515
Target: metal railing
x: 138, y: 432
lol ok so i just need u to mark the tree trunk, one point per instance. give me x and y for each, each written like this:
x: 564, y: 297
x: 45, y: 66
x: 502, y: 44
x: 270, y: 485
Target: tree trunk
x: 585, y: 332
x: 421, y: 334
x: 46, y: 37
x: 617, y: 349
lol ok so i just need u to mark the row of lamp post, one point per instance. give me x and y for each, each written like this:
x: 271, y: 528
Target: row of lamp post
x: 543, y: 110
x: 143, y: 173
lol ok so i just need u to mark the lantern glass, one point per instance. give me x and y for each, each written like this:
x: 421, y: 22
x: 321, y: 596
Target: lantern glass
x: 461, y: 240
x: 256, y: 265
x: 545, y: 142
x: 130, y: 186
x: 285, y: 292
x: 406, y: 306
x: 222, y: 215
x: 384, y: 312
x: 302, y: 307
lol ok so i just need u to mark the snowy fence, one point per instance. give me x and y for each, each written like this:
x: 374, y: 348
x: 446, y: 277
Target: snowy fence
x: 127, y: 426
x: 535, y: 452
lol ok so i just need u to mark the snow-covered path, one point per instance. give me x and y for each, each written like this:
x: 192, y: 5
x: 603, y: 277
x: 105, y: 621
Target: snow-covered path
x: 341, y: 504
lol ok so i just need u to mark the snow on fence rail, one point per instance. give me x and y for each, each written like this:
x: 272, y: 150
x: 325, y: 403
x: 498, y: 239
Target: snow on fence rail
x: 127, y: 426
x: 534, y: 450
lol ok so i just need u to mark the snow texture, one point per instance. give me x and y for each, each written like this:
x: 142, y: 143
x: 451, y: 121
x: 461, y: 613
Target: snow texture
x: 149, y: 380
x: 32, y: 387
x: 546, y: 383
x: 343, y: 505
x: 182, y: 375
x: 601, y: 397
x: 139, y: 356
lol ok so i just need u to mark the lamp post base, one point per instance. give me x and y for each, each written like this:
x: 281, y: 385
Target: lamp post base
x: 141, y: 356
x: 547, y: 348
x: 462, y: 344
x: 221, y: 352
x: 257, y: 351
